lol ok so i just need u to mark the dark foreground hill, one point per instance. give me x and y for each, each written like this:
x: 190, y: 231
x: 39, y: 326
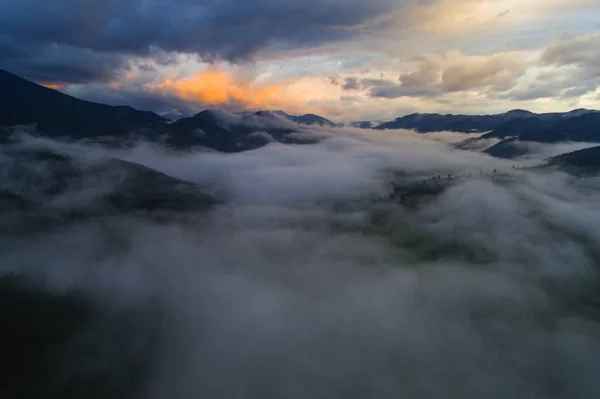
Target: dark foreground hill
x: 583, y: 161
x: 50, y: 187
x: 65, y: 346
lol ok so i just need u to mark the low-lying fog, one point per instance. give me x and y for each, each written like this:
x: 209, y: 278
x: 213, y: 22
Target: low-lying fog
x: 306, y: 281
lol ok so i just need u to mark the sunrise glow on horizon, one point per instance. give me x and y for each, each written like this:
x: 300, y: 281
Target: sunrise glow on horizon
x: 346, y: 60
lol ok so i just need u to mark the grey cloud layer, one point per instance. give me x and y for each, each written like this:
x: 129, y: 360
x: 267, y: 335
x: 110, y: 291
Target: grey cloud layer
x: 581, y: 51
x: 57, y: 63
x: 578, y: 73
x: 212, y: 29
x: 275, y: 295
x: 436, y: 75
x: 570, y: 69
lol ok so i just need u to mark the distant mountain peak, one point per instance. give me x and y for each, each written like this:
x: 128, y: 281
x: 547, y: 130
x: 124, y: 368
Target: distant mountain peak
x: 579, y: 112
x: 206, y: 112
x: 306, y: 119
x: 270, y: 114
x: 518, y: 113
x: 214, y: 114
x: 281, y: 113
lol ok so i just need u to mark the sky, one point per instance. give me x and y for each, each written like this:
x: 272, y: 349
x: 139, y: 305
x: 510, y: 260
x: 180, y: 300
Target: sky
x: 347, y: 60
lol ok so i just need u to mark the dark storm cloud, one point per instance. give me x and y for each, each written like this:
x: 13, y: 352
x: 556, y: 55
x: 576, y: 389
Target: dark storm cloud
x: 64, y: 64
x: 351, y: 83
x: 212, y: 29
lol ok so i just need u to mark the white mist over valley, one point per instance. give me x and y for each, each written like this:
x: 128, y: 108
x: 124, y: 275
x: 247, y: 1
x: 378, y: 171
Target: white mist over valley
x: 366, y: 264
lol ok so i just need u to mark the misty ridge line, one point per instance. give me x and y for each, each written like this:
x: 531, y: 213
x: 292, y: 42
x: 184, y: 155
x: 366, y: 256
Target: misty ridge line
x: 508, y: 135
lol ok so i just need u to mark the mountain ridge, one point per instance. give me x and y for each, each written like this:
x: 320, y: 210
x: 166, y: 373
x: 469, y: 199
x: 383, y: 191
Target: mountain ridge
x: 23, y: 102
x: 427, y: 123
x: 582, y: 161
x: 58, y: 114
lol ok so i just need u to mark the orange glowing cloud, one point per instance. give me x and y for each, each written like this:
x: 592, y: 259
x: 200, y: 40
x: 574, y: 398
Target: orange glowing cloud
x: 220, y: 89
x: 55, y: 86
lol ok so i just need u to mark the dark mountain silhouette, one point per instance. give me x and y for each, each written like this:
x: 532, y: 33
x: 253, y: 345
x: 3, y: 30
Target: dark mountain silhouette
x: 56, y: 114
x: 517, y: 113
x: 207, y: 129
x: 579, y: 125
x: 39, y: 179
x: 521, y: 120
x: 307, y: 119
x: 23, y: 102
x: 508, y: 148
x: 582, y: 128
x: 426, y: 123
x: 582, y: 161
x: 518, y: 127
x: 585, y: 127
x: 564, y: 115
x: 227, y: 132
